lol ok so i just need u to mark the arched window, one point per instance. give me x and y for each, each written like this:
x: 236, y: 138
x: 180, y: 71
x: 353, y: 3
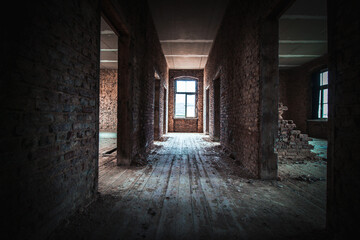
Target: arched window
x: 185, y: 98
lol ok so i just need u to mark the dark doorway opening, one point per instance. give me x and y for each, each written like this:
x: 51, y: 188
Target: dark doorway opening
x: 216, y: 136
x: 207, y: 113
x: 157, y: 109
x: 164, y: 115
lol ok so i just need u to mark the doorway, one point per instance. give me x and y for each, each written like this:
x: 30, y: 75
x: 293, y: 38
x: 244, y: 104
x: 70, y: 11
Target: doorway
x: 108, y: 92
x: 164, y: 109
x: 216, y: 132
x: 207, y: 115
x: 157, y: 108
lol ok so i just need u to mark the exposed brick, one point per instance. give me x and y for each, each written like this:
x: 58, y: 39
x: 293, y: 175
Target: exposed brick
x: 236, y: 59
x: 186, y: 125
x: 108, y: 100
x: 295, y: 92
x: 291, y: 144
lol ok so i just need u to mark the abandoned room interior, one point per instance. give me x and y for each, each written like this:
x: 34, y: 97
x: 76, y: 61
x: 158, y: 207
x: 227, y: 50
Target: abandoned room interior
x: 153, y: 119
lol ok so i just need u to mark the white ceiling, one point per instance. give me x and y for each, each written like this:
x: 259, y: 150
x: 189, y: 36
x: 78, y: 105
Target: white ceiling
x: 187, y: 29
x: 108, y: 47
x: 302, y: 33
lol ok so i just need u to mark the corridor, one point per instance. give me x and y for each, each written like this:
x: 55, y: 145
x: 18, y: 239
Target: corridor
x: 189, y: 190
x: 207, y: 119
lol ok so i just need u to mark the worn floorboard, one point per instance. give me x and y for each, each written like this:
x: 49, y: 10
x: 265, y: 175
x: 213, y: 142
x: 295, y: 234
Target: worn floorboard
x: 190, y: 190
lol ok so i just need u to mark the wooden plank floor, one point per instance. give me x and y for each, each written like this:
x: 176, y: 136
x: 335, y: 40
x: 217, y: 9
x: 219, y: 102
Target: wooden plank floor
x: 191, y: 191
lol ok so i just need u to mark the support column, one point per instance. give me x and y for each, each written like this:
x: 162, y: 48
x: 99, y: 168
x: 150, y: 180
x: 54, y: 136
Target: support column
x: 269, y: 81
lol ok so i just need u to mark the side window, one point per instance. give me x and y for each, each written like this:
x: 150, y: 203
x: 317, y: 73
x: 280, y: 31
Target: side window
x: 323, y: 95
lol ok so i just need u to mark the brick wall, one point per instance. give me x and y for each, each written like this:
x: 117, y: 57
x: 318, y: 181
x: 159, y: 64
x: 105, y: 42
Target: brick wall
x: 49, y: 94
x: 318, y: 128
x: 295, y: 92
x: 185, y: 125
x: 157, y: 115
x: 108, y: 100
x: 140, y: 56
x: 237, y: 59
x: 147, y: 57
x: 343, y: 194
x: 50, y: 103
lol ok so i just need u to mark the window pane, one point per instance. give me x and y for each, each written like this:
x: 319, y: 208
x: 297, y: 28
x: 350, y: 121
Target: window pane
x: 180, y: 86
x: 185, y: 86
x: 190, y: 86
x: 321, y: 79
x: 319, y: 110
x: 190, y: 106
x: 325, y: 110
x: 325, y: 100
x: 180, y: 105
x: 325, y: 78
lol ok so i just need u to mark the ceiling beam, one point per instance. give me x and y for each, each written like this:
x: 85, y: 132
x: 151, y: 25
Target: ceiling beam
x: 298, y: 56
x: 286, y: 66
x: 304, y: 17
x: 302, y: 41
x: 107, y: 32
x: 108, y: 61
x: 188, y: 55
x: 108, y: 50
x: 186, y: 41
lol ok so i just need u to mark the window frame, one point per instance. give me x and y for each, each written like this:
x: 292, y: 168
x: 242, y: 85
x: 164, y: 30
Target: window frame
x: 321, y: 95
x: 186, y: 94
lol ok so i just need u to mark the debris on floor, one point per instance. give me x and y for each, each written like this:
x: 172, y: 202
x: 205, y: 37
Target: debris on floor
x: 292, y: 144
x: 309, y: 178
x: 188, y: 188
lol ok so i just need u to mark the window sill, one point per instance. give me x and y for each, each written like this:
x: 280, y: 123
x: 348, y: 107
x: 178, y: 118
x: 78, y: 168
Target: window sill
x: 318, y: 120
x: 194, y: 118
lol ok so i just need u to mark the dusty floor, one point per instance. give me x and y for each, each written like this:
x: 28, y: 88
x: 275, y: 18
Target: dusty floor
x: 189, y: 190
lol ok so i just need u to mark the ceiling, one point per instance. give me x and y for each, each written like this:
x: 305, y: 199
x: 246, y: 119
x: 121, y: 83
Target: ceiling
x: 108, y: 47
x: 302, y: 33
x: 187, y: 30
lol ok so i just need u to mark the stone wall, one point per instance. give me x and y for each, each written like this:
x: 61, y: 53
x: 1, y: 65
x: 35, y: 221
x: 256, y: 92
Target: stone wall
x: 186, y: 125
x: 108, y: 100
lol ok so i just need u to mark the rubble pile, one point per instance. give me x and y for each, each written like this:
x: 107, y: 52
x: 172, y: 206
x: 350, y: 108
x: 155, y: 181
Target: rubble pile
x: 291, y: 144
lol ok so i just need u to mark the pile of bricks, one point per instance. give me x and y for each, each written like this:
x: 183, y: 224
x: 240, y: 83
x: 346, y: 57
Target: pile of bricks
x: 291, y: 143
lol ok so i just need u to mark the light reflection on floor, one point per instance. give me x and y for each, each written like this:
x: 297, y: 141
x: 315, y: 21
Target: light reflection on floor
x: 107, y: 139
x: 320, y: 147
